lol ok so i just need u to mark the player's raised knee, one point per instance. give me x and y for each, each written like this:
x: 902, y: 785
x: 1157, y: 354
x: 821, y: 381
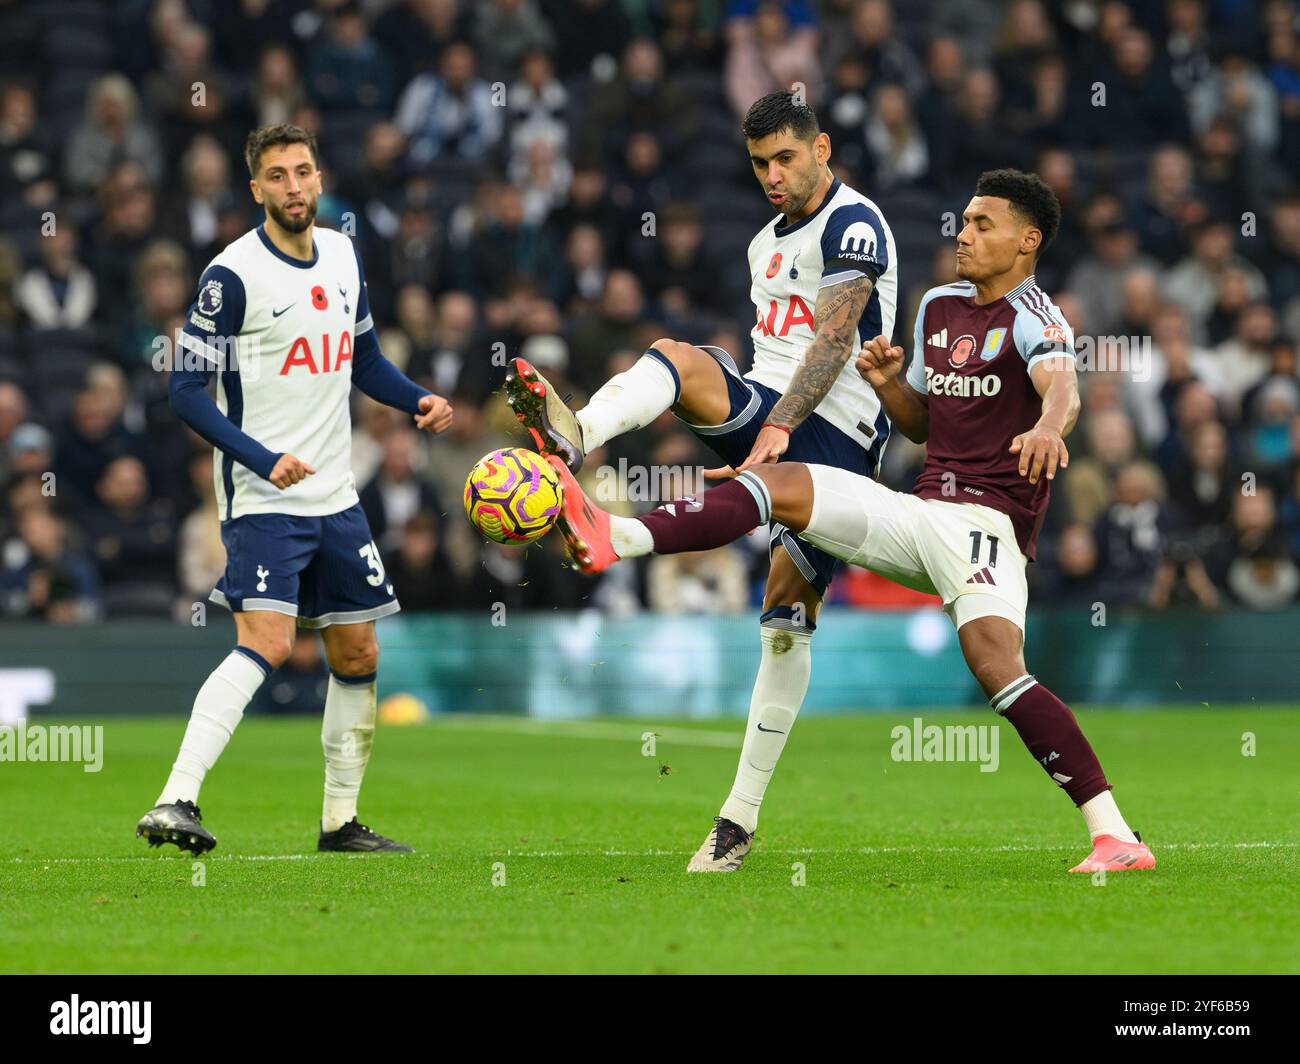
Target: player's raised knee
x: 678, y: 352
x: 685, y: 356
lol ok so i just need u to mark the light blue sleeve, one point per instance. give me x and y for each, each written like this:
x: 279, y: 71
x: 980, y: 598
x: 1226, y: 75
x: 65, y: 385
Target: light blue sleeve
x: 916, y: 368
x: 1041, y: 331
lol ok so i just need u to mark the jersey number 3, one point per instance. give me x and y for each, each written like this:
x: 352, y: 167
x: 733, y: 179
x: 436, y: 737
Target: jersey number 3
x: 371, y: 554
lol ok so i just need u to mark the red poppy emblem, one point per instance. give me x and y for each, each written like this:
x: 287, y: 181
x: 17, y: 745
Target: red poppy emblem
x: 318, y: 299
x: 774, y: 265
x: 962, y: 349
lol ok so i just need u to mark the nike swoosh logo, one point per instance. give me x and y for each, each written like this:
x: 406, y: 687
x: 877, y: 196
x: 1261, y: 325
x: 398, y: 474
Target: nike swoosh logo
x: 774, y: 731
x: 277, y: 313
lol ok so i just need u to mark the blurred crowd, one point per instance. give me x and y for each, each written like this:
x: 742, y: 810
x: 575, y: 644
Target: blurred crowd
x: 565, y: 179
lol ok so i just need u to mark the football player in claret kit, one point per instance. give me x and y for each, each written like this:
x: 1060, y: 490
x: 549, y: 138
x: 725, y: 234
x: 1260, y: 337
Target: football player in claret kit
x: 992, y: 392
x: 824, y: 279
x: 282, y: 319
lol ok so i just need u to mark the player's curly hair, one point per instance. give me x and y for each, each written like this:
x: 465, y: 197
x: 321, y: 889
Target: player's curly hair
x: 777, y: 111
x: 270, y: 136
x: 1031, y: 198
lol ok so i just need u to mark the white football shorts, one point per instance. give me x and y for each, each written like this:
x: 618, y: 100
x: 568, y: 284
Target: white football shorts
x: 965, y: 553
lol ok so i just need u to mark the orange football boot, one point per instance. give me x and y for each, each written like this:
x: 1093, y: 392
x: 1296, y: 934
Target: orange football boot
x: 583, y: 524
x: 1109, y: 854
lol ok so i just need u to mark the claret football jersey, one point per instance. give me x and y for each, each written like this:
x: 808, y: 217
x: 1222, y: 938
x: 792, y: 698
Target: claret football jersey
x: 973, y: 362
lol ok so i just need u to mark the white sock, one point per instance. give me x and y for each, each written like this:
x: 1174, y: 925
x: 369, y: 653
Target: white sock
x: 346, y: 737
x: 218, y: 708
x: 627, y: 401
x: 629, y: 537
x: 779, y: 690
x: 1102, y: 816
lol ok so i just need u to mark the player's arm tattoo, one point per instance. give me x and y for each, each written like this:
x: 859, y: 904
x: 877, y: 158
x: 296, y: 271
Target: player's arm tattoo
x: 835, y: 323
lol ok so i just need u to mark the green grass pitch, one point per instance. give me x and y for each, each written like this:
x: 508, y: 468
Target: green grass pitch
x: 906, y: 867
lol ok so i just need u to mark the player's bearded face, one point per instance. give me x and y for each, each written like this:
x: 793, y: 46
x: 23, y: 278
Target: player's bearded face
x: 802, y: 184
x: 790, y: 172
x: 288, y: 185
x: 296, y: 212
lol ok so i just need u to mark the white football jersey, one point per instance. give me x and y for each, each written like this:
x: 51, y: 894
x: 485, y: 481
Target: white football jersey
x: 286, y: 381
x: 845, y: 237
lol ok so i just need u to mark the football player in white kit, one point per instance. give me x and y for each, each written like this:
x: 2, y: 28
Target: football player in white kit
x: 282, y: 319
x: 824, y: 280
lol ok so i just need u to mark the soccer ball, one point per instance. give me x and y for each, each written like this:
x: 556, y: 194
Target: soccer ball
x: 402, y: 708
x: 513, y: 495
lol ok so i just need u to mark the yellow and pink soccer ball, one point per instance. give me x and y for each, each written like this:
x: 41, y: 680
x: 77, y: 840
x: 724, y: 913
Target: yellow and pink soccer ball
x: 513, y: 495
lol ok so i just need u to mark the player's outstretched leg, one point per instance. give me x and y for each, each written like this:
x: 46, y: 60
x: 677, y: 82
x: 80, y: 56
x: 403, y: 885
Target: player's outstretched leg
x: 670, y: 375
x: 597, y: 539
x: 347, y: 734
x: 264, y: 642
x: 1050, y: 731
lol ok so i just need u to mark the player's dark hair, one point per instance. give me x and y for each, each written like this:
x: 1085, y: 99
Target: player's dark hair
x: 272, y: 136
x: 778, y: 111
x: 1031, y: 198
